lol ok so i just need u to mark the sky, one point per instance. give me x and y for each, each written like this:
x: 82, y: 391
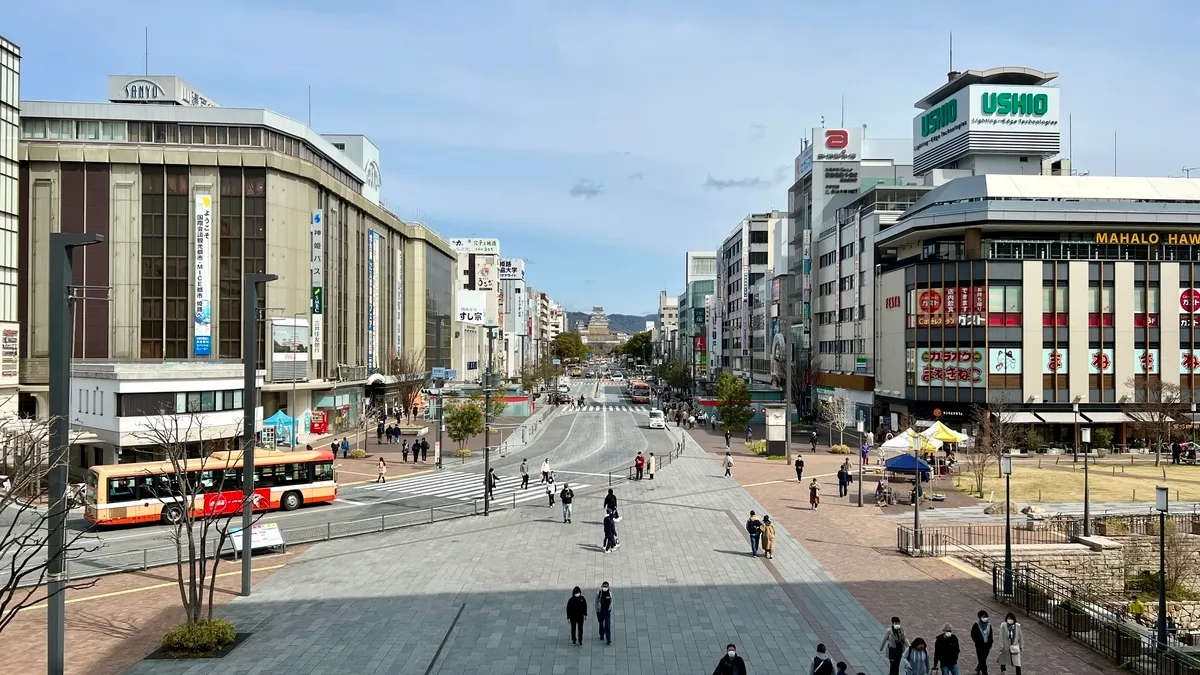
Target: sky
x: 600, y: 140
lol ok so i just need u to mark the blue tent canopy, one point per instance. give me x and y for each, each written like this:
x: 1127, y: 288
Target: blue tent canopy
x: 279, y: 419
x: 908, y: 464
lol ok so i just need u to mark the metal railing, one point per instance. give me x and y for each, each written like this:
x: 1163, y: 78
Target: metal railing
x: 1102, y: 628
x: 661, y: 462
x: 919, y: 544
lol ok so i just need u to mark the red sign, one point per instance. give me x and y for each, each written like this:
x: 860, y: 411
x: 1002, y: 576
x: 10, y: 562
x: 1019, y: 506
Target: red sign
x: 1189, y: 300
x: 698, y: 343
x: 230, y: 501
x: 836, y: 139
x: 1101, y: 362
x: 937, y: 412
x: 319, y: 424
x: 1190, y: 362
x: 892, y: 302
x: 1054, y: 362
x: 929, y: 302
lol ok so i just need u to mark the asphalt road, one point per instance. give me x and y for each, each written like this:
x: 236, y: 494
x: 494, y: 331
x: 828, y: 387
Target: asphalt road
x: 583, y: 448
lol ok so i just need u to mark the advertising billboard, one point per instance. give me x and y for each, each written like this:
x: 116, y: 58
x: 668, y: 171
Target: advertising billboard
x: 935, y: 307
x: 316, y: 230
x: 476, y: 245
x: 512, y: 269
x: 950, y: 367
x: 472, y: 307
x: 289, y: 339
x: 399, y: 310
x: 202, y: 276
x: 372, y: 298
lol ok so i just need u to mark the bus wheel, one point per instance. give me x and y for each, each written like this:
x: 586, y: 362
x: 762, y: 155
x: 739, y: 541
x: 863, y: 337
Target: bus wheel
x: 172, y: 514
x: 290, y: 501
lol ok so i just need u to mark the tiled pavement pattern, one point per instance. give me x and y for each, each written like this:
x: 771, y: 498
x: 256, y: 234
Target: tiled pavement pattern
x: 857, y: 546
x: 495, y: 591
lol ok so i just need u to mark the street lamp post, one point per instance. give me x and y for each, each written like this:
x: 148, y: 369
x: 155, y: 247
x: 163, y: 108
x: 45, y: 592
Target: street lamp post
x: 487, y: 422
x: 1006, y: 468
x: 1160, y: 503
x: 249, y: 405
x: 1075, y: 445
x: 1085, y: 435
x: 916, y: 443
x: 292, y: 403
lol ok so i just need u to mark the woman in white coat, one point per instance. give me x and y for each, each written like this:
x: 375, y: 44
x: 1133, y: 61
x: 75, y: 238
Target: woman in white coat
x: 1012, y: 643
x: 650, y: 464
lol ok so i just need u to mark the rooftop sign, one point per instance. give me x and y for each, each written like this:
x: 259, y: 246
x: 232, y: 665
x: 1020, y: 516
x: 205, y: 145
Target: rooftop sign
x: 158, y: 89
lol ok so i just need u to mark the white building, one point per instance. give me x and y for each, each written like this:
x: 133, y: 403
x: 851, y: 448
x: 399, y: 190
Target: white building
x: 478, y: 300
x: 10, y: 125
x: 745, y: 257
x: 667, y: 325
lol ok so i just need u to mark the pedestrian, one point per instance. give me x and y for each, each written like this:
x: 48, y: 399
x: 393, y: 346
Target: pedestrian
x: 727, y: 437
x: 748, y: 433
x: 610, y: 531
x: 1011, y: 644
x: 381, y: 478
x: 768, y: 536
x: 981, y: 635
x: 1175, y: 450
x: 821, y: 664
x: 524, y: 474
x: 567, y: 496
x: 604, y: 602
x: 866, y: 453
x: 545, y: 470
x: 404, y: 450
x: 551, y: 488
x: 799, y: 469
x: 639, y: 465
x: 424, y: 450
x: 416, y: 409
x: 610, y: 501
x: 841, y: 668
x: 335, y: 447
x: 650, y: 463
x: 842, y: 477
x: 728, y: 464
x: 493, y: 479
x: 576, y: 615
x: 916, y: 659
x: 814, y: 494
x: 946, y: 651
x: 754, y: 529
x: 379, y: 429
x: 894, y: 644
x: 731, y: 663
x: 345, y: 448
x: 813, y: 438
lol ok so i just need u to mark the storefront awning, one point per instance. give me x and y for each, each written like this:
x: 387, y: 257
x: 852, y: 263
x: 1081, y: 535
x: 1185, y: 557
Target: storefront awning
x: 1021, y: 418
x: 1189, y: 418
x: 1107, y: 417
x: 1060, y: 417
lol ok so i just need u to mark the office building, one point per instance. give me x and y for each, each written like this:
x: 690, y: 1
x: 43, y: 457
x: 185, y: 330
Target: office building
x: 10, y: 133
x: 666, y: 326
x: 744, y: 258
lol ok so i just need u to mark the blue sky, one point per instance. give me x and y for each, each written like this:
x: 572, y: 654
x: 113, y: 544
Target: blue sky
x: 583, y: 133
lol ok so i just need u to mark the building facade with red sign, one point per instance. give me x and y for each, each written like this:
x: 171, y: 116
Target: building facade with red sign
x: 1037, y: 293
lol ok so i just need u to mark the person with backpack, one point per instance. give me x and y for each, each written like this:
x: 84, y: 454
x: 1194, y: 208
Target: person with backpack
x: 843, y: 477
x: 610, y: 531
x: 604, y: 602
x: 567, y: 496
x: 822, y: 664
x: 754, y: 529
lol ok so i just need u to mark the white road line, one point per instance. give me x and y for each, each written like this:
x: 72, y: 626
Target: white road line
x: 347, y: 501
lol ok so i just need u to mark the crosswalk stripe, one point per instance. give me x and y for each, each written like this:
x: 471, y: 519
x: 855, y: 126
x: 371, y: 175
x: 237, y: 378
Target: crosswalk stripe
x: 464, y: 486
x: 611, y: 408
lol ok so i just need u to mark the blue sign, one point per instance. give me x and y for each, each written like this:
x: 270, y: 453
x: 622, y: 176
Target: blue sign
x: 438, y: 373
x: 451, y: 374
x: 472, y: 365
x: 558, y: 362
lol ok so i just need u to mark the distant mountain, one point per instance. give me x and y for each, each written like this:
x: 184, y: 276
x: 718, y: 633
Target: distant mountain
x: 617, y: 323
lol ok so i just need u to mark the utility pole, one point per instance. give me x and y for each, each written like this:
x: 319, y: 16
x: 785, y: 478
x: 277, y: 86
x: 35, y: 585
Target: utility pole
x: 441, y: 396
x: 62, y: 250
x: 487, y: 422
x: 249, y: 405
x: 786, y: 326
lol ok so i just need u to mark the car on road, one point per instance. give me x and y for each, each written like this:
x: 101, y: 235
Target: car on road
x: 591, y: 373
x: 564, y: 389
x: 618, y: 377
x: 562, y: 397
x: 658, y: 420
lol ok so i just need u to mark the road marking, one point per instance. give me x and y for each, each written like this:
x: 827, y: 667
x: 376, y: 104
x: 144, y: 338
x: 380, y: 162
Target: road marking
x: 151, y: 587
x: 364, y: 482
x: 347, y: 501
x: 583, y: 473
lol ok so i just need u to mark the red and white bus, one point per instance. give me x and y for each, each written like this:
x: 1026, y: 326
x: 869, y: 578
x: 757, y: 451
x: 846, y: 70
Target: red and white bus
x: 148, y: 492
x: 639, y: 391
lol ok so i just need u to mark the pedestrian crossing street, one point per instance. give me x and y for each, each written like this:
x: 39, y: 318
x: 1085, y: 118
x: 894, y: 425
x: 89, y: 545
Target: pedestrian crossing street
x: 610, y: 408
x: 466, y: 486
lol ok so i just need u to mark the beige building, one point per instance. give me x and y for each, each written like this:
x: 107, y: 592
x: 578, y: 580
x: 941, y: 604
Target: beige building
x: 10, y: 126
x: 191, y: 196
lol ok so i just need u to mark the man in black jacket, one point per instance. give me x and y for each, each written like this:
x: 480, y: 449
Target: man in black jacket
x: 576, y: 615
x: 604, y: 612
x: 945, y: 651
x: 731, y: 663
x: 981, y: 635
x: 567, y: 496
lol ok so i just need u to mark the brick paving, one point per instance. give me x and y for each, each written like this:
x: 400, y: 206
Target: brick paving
x: 115, y: 623
x: 858, y: 547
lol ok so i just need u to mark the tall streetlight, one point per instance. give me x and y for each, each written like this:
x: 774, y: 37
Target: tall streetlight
x: 1085, y: 435
x: 249, y: 404
x: 1160, y: 503
x: 292, y: 405
x: 62, y: 251
x: 916, y: 442
x: 440, y: 383
x: 1075, y: 445
x: 487, y: 421
x: 1006, y: 468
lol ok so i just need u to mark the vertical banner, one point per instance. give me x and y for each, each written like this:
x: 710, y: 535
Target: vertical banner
x: 372, y: 297
x: 202, y: 341
x: 857, y: 264
x: 317, y: 281
x: 746, y: 290
x: 399, y: 300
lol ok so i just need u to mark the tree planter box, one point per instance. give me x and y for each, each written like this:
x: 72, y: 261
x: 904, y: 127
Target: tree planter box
x: 1033, y: 600
x: 1074, y: 622
x: 1112, y: 529
x: 413, y: 431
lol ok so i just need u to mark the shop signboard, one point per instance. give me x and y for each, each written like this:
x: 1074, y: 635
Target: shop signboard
x: 1054, y: 361
x: 950, y: 367
x: 1100, y: 361
x: 1147, y: 361
x: 1004, y: 361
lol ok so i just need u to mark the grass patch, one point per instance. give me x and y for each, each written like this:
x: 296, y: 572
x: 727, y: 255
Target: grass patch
x: 1059, y: 483
x: 199, y: 639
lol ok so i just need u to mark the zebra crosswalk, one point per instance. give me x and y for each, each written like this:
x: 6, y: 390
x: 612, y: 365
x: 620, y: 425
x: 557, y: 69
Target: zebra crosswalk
x: 466, y: 486
x: 611, y: 408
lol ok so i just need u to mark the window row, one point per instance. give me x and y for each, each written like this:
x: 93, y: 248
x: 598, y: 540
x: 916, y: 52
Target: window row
x: 170, y: 403
x: 167, y: 486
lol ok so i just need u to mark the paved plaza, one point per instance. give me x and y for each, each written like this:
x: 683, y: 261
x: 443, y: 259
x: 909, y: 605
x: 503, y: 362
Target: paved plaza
x: 489, y: 596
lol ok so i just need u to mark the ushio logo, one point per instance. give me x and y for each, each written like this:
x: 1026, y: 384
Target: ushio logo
x: 1009, y: 103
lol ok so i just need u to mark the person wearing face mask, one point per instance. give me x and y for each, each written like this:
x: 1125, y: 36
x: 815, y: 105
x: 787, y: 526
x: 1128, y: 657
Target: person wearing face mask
x: 894, y: 642
x: 576, y: 615
x: 945, y: 651
x: 731, y: 663
x: 604, y: 612
x: 1012, y: 642
x: 821, y: 664
x: 981, y: 635
x: 916, y: 659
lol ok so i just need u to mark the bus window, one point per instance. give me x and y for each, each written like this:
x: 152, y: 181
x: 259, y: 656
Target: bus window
x: 323, y: 471
x: 208, y: 481
x: 121, y: 489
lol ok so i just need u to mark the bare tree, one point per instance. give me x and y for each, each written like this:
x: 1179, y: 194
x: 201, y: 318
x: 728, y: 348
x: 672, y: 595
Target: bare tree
x: 196, y: 503
x: 996, y: 433
x: 24, y: 517
x: 833, y: 412
x: 408, y: 367
x: 1157, y: 408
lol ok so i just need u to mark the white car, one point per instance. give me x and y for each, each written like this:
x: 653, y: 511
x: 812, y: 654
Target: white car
x: 564, y: 389
x: 617, y: 377
x: 658, y: 420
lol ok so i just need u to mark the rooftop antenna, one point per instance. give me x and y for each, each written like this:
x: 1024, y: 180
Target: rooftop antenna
x: 952, y: 51
x: 843, y: 110
x: 1114, y: 153
x: 310, y: 106
x: 822, y: 121
x: 146, y: 53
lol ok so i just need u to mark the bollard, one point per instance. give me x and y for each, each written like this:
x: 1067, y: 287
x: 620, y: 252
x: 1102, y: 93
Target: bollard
x: 514, y: 500
x: 431, y: 515
x: 1135, y: 494
x: 144, y: 561
x: 382, y: 523
x: 609, y: 479
x: 328, y: 530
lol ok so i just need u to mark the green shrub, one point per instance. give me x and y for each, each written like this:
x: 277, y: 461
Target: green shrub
x: 462, y: 453
x: 757, y: 447
x: 203, y: 637
x: 1102, y: 438
x: 840, y: 450
x: 358, y: 453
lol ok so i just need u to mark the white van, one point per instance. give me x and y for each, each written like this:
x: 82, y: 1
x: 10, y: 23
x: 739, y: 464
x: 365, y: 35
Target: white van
x: 564, y: 389
x: 657, y: 419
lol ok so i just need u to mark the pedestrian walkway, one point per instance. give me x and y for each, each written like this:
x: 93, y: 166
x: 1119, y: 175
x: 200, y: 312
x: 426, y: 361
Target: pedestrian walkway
x: 466, y: 486
x: 610, y: 408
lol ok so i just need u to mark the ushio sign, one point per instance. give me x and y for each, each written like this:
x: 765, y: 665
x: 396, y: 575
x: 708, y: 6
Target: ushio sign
x: 1149, y: 238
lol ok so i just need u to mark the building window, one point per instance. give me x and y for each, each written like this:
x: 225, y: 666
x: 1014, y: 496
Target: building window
x: 255, y: 244
x: 758, y: 257
x: 153, y: 216
x: 759, y: 237
x: 178, y: 264
x: 229, y: 326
